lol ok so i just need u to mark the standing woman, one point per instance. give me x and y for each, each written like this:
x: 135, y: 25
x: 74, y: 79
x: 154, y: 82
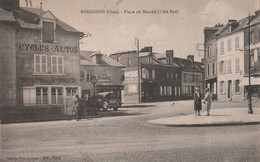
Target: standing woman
x: 197, y: 101
x: 207, y: 99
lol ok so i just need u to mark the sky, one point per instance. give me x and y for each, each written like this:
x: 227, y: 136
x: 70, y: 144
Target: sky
x: 180, y: 32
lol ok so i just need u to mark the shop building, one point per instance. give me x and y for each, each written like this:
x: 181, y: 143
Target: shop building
x: 100, y: 73
x: 39, y: 61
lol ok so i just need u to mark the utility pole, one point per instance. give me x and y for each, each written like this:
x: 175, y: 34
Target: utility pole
x: 139, y: 73
x: 250, y: 110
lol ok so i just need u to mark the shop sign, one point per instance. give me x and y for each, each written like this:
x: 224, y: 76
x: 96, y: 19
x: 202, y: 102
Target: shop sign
x: 47, y: 48
x: 44, y: 80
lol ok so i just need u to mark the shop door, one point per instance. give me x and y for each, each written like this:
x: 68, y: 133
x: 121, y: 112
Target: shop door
x: 229, y: 88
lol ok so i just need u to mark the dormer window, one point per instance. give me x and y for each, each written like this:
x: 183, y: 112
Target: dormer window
x: 48, y: 31
x: 168, y: 60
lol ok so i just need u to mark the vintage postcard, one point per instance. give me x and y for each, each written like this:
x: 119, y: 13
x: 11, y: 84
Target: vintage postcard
x: 129, y: 80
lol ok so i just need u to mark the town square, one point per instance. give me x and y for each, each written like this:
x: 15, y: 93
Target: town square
x: 129, y: 80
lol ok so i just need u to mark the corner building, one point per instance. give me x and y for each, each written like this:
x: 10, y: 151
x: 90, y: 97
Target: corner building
x: 40, y: 68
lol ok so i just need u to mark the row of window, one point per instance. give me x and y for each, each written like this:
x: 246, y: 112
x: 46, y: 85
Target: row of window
x: 211, y: 69
x: 224, y: 85
x: 222, y: 66
x: 88, y: 75
x: 229, y: 45
x: 43, y: 95
x: 192, y: 77
x: 41, y: 64
x: 189, y: 90
x: 150, y: 74
x: 169, y: 90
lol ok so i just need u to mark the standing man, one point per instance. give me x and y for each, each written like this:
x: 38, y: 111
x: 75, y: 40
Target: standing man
x: 197, y: 101
x: 80, y: 105
x: 207, y: 100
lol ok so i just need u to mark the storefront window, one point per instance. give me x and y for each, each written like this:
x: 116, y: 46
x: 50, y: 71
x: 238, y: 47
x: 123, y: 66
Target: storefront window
x: 56, y: 96
x: 41, y: 95
x: 71, y: 91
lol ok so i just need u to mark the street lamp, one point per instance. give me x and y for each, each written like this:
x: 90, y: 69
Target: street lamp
x: 250, y: 110
x: 139, y: 73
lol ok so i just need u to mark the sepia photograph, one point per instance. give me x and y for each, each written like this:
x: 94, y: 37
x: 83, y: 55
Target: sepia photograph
x: 129, y: 80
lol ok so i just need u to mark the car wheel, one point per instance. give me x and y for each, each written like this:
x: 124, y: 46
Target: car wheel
x: 105, y: 107
x: 115, y: 108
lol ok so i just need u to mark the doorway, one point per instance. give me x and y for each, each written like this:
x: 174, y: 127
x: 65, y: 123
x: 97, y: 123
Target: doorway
x: 229, y: 88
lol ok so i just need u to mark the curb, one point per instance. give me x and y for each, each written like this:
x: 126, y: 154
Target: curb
x: 209, y: 124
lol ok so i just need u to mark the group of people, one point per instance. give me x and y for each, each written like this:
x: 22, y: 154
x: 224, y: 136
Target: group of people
x: 90, y: 105
x: 198, y: 99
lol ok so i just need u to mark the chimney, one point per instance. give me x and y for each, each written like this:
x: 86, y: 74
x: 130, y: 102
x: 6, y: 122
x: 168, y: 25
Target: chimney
x: 232, y: 25
x: 147, y: 49
x: 9, y: 5
x: 96, y: 57
x: 232, y: 21
x: 208, y: 32
x: 190, y: 57
x: 169, y: 53
x: 41, y: 5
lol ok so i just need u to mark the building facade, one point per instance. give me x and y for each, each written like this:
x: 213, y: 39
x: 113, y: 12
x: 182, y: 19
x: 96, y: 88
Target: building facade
x: 254, y: 38
x: 39, y: 61
x: 192, y: 75
x: 210, y: 58
x: 156, y: 80
x: 100, y: 73
x: 231, y: 61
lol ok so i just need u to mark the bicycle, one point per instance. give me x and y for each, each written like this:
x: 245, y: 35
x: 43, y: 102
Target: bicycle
x: 88, y: 113
x: 72, y: 114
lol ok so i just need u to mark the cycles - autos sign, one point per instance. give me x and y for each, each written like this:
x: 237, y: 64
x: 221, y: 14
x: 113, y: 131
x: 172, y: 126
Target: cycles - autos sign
x: 47, y: 48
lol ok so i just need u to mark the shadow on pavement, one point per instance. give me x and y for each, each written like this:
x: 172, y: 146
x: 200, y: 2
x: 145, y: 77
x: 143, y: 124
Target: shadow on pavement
x: 137, y: 106
x: 117, y: 113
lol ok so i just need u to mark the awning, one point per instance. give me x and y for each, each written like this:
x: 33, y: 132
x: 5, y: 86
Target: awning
x: 254, y: 81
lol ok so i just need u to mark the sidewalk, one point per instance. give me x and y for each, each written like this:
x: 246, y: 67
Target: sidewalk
x: 218, y: 117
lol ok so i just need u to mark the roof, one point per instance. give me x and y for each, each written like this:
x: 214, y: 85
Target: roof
x: 86, y: 59
x: 188, y: 65
x: 224, y: 31
x: 29, y: 18
x: 144, y: 54
x: 255, y: 20
x: 160, y: 55
x: 6, y: 16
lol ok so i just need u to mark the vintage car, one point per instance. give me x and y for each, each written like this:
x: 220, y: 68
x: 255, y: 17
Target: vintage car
x: 108, y: 100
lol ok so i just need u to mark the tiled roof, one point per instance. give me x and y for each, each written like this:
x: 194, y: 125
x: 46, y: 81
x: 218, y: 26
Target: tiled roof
x: 160, y: 55
x: 107, y: 61
x: 110, y: 61
x: 186, y: 64
x: 224, y: 31
x: 6, y: 16
x: 255, y: 20
x: 29, y: 18
x: 144, y: 54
